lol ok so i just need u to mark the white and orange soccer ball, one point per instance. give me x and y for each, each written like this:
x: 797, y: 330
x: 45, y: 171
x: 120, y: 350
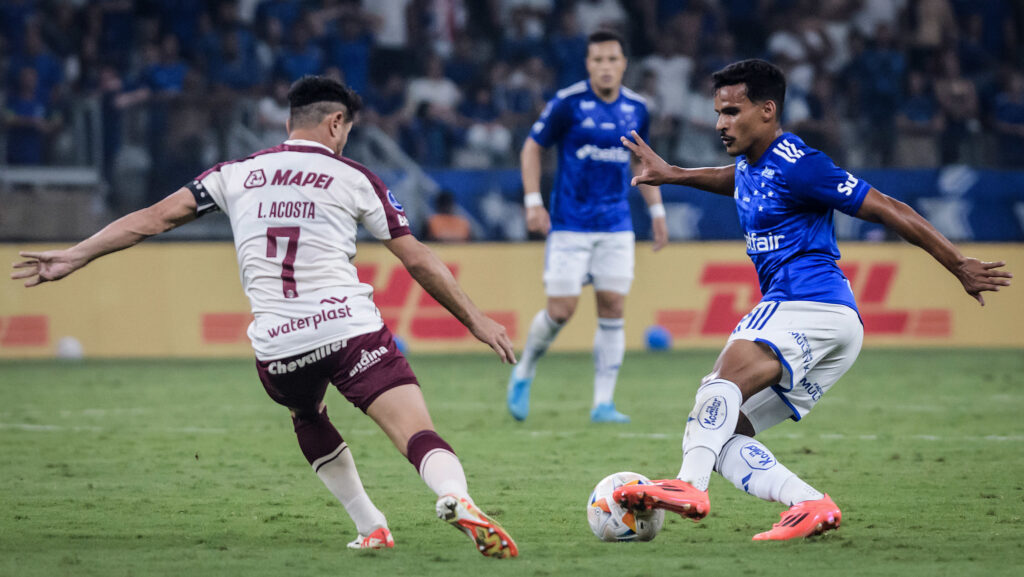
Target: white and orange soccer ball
x: 610, y: 522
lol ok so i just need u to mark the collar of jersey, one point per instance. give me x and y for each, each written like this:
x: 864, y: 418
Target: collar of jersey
x: 298, y: 142
x: 764, y: 156
x: 590, y: 90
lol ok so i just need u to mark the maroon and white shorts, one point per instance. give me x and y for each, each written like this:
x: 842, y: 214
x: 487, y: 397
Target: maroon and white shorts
x: 362, y: 367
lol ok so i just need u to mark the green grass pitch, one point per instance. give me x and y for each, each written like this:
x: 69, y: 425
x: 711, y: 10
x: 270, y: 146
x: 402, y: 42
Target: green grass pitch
x: 174, y: 468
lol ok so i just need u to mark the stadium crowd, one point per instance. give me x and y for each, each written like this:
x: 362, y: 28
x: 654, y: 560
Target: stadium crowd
x: 457, y: 83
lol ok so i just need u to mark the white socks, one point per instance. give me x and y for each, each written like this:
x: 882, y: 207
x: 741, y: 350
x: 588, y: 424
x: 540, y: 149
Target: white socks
x: 542, y: 333
x: 709, y: 426
x: 338, y: 471
x: 751, y: 467
x: 442, y: 471
x: 609, y: 350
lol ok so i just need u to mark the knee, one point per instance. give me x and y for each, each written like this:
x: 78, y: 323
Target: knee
x: 611, y: 307
x: 561, y: 311
x: 307, y: 415
x: 744, y: 426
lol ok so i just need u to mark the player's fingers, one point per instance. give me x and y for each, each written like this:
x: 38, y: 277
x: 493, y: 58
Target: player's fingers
x: 24, y: 274
x: 995, y: 264
x: 25, y: 264
x: 639, y: 141
x: 999, y: 273
x: 980, y: 298
x: 29, y: 254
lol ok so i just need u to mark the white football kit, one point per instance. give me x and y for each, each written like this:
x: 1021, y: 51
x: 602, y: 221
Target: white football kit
x: 294, y: 210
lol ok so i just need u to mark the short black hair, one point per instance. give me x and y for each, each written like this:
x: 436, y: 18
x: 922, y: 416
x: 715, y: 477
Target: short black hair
x: 764, y: 80
x: 606, y: 36
x: 313, y: 97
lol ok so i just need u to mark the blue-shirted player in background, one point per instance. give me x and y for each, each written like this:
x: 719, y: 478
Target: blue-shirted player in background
x: 591, y: 233
x: 806, y: 332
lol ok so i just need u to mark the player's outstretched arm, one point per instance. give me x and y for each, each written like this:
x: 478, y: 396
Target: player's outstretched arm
x: 437, y: 280
x: 976, y: 276
x: 655, y: 171
x: 129, y: 230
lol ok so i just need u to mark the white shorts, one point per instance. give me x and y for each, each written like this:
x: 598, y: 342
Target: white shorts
x: 573, y: 259
x: 816, y: 344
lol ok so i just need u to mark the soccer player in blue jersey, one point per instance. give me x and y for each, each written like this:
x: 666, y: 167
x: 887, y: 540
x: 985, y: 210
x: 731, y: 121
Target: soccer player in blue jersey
x: 589, y: 229
x: 805, y: 333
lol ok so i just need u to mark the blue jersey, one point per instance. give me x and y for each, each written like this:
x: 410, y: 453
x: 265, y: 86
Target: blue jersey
x: 591, y: 192
x: 785, y: 202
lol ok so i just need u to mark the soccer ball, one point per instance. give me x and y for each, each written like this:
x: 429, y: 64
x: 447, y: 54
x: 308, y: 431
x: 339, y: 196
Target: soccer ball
x: 610, y: 522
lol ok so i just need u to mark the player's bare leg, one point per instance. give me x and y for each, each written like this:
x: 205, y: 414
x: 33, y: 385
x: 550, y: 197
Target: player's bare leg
x: 402, y: 414
x: 609, y: 351
x: 332, y: 461
x: 544, y: 328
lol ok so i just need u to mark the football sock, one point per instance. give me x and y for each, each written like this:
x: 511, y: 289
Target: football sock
x: 437, y: 464
x: 709, y: 426
x: 609, y: 350
x: 542, y: 333
x: 332, y: 461
x: 751, y: 467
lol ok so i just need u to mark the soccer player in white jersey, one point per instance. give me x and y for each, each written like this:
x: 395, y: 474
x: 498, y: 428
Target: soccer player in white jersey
x: 294, y: 210
x: 589, y: 229
x: 805, y: 333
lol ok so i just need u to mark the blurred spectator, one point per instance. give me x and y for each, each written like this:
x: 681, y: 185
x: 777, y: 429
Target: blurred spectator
x: 34, y: 54
x: 433, y: 88
x: 349, y: 49
x: 920, y: 122
x: 820, y: 127
x: 488, y: 141
x: 233, y: 68
x: 1008, y: 120
x: 881, y: 66
x: 272, y: 114
x: 933, y: 27
x: 466, y: 63
x: 386, y: 103
x: 958, y: 100
x: 301, y: 56
x: 699, y: 144
x: 594, y: 15
x: 27, y: 120
x: 568, y: 48
x: 446, y: 225
x: 673, y: 72
x: 391, y: 52
x: 429, y: 135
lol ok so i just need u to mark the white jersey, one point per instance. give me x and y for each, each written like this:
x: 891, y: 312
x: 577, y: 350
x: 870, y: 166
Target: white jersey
x: 294, y: 213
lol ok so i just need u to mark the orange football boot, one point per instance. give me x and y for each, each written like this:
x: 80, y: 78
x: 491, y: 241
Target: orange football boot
x: 491, y: 539
x: 379, y: 539
x: 804, y: 520
x: 669, y: 494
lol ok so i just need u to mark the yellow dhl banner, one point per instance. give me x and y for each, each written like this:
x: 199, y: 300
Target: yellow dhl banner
x: 185, y: 299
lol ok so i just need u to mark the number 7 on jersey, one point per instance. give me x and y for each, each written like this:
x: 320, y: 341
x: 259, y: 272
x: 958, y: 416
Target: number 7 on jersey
x: 288, y: 262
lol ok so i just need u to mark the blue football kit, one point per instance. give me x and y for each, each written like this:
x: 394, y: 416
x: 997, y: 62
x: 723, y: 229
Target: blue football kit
x: 785, y: 202
x: 591, y: 190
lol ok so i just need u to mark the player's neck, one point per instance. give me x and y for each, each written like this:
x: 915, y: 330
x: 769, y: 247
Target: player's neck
x: 757, y: 150
x: 312, y: 136
x: 608, y: 95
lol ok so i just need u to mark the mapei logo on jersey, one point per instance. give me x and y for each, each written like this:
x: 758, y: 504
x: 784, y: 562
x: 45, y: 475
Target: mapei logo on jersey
x: 757, y: 456
x: 713, y: 413
x: 788, y: 151
x: 394, y: 201
x: 765, y: 243
x: 614, y: 154
x: 255, y: 179
x: 847, y: 187
x: 367, y: 359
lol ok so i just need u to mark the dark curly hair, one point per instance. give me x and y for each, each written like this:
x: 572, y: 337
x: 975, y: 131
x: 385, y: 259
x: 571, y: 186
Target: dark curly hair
x: 764, y: 81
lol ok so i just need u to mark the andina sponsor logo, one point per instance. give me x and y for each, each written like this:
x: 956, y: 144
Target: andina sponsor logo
x: 310, y: 321
x: 367, y: 359
x: 713, y: 413
x: 280, y: 368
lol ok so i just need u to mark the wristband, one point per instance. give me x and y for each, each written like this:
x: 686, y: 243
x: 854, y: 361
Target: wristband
x: 657, y: 210
x: 532, y: 199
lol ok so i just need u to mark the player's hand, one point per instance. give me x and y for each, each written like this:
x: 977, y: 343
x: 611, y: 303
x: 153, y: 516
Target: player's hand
x: 660, y: 230
x: 654, y: 169
x: 46, y: 266
x: 537, y: 220
x: 492, y: 333
x: 979, y: 276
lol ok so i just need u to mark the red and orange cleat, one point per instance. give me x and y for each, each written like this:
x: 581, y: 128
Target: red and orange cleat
x: 379, y: 539
x: 669, y: 494
x: 490, y: 538
x: 804, y: 520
